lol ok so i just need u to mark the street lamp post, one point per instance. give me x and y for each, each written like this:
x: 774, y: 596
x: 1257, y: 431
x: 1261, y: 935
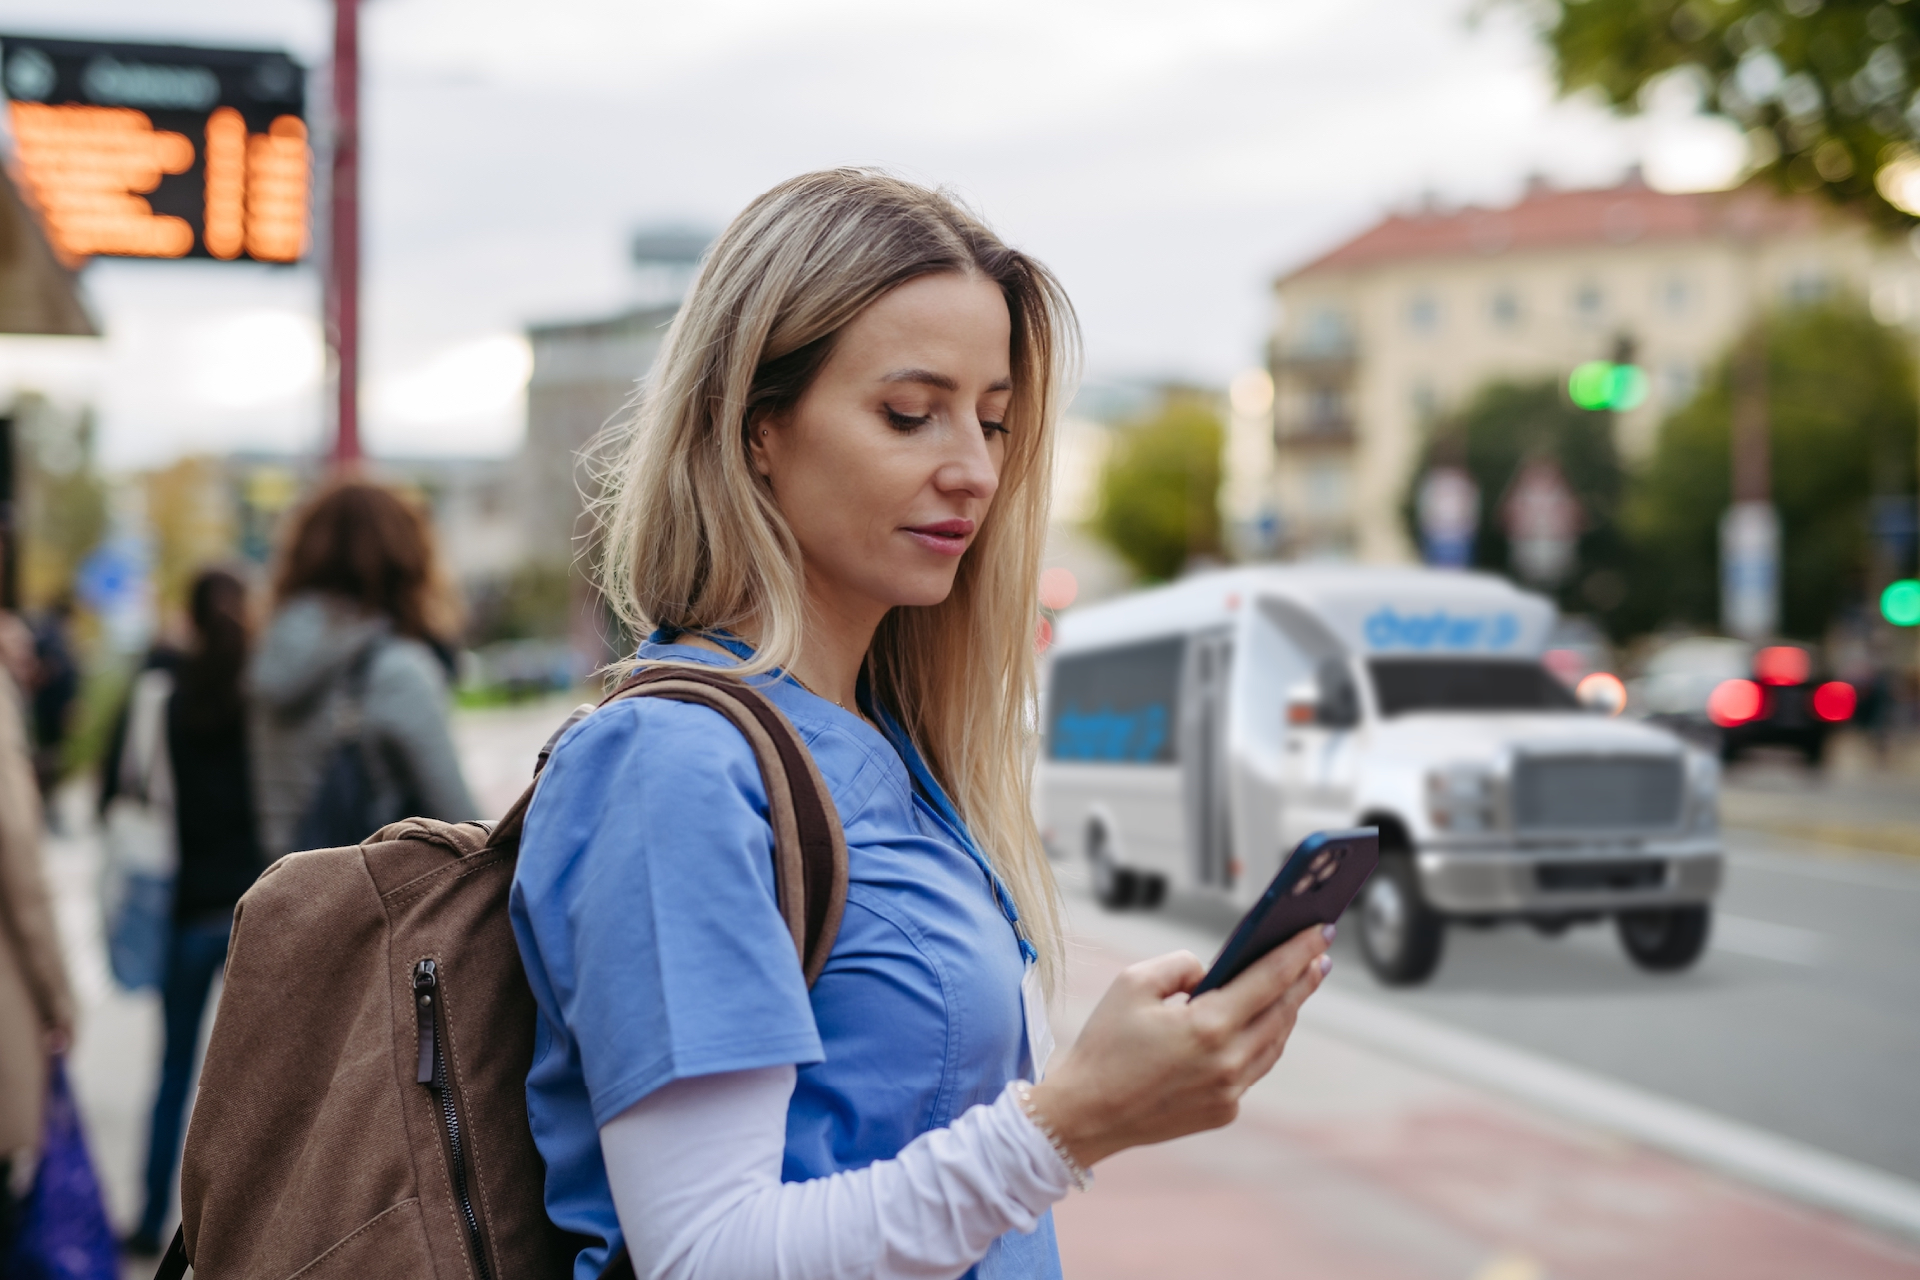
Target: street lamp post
x: 343, y: 234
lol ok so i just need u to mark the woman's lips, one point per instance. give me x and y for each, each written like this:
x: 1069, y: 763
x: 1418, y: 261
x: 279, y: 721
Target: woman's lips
x: 943, y: 537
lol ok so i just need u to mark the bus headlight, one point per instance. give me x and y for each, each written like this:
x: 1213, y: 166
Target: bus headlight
x: 1461, y: 798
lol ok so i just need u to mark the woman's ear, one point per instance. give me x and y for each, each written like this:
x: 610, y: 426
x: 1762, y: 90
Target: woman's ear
x: 759, y: 430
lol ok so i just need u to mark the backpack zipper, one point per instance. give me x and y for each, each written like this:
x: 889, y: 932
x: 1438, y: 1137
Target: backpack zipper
x: 431, y: 1071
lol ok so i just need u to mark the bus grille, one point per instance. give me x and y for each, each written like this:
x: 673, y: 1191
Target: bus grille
x: 1596, y: 793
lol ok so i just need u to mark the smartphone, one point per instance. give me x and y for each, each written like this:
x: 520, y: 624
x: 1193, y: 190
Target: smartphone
x: 1313, y: 886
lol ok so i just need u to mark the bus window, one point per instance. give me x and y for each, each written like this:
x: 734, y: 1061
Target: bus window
x: 1402, y: 685
x: 1115, y: 705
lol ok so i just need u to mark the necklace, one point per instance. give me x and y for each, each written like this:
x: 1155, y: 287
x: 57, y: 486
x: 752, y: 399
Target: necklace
x: 835, y: 701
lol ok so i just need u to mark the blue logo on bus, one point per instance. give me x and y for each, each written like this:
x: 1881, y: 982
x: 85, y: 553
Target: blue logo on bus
x: 1388, y: 629
x: 1111, y: 735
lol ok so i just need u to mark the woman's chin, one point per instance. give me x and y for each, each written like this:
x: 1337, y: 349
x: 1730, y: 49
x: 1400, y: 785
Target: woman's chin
x: 919, y: 590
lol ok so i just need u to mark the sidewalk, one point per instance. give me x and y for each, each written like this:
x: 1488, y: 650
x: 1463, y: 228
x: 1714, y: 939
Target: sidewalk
x: 1855, y: 802
x: 1346, y: 1163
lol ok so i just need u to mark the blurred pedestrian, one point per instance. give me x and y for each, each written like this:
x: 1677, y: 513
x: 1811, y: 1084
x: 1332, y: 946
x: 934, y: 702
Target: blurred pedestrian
x: 349, y: 688
x: 219, y: 858
x: 55, y: 686
x: 36, y: 1005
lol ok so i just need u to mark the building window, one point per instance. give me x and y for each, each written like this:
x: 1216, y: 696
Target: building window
x: 1679, y: 379
x: 1326, y: 487
x: 1327, y: 332
x: 1326, y: 408
x: 1588, y: 303
x: 1505, y: 309
x: 1425, y: 402
x: 1423, y: 313
x: 1675, y: 296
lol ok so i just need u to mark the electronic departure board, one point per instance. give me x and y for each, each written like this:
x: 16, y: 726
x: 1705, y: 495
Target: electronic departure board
x: 160, y: 151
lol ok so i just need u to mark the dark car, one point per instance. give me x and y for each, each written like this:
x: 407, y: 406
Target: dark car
x: 1732, y: 697
x: 1780, y: 705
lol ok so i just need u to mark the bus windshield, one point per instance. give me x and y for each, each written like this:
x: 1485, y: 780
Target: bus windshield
x: 1403, y: 685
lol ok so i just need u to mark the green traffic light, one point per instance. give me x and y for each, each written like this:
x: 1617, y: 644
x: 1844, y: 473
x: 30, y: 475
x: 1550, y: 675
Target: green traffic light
x: 1590, y: 384
x: 1900, y: 602
x: 1601, y: 384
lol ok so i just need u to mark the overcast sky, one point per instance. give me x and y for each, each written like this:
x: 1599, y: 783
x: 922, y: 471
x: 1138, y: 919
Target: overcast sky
x: 1165, y: 159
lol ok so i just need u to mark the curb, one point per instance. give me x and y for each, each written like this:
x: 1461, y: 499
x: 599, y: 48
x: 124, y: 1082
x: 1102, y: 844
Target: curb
x: 1779, y: 1164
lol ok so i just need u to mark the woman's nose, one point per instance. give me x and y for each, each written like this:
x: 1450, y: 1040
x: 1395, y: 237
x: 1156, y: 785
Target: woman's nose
x: 970, y: 466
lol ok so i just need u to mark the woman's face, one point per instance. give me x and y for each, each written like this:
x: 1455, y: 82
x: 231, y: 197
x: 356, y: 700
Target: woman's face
x: 888, y: 463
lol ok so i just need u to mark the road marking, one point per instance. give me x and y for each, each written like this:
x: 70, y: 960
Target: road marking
x: 1754, y: 1155
x: 1835, y: 866
x: 1786, y: 943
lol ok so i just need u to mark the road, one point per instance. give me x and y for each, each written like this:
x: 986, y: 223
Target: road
x: 1803, y: 1018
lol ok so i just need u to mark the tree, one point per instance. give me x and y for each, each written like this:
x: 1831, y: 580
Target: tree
x: 1159, y: 504
x: 1508, y: 424
x: 1840, y: 396
x: 1821, y: 88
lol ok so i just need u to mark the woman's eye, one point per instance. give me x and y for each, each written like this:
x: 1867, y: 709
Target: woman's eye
x: 906, y: 422
x: 990, y: 427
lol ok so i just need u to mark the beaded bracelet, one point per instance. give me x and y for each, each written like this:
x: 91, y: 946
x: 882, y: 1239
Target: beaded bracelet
x: 1082, y: 1177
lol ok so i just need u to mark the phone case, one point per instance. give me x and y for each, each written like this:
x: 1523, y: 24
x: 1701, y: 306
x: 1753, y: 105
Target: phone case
x: 1313, y: 886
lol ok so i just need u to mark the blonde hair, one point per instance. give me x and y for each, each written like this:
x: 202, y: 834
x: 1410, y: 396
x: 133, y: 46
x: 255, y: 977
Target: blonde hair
x: 692, y: 539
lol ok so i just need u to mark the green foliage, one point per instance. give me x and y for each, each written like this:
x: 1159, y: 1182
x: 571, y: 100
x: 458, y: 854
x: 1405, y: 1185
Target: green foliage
x: 63, y: 499
x: 1159, y: 504
x: 1820, y: 88
x: 1508, y: 424
x: 1840, y: 397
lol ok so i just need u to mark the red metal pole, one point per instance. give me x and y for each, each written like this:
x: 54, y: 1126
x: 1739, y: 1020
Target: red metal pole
x: 343, y: 225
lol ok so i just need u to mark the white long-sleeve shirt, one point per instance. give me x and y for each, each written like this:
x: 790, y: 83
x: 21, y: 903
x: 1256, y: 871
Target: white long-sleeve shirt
x: 695, y: 1172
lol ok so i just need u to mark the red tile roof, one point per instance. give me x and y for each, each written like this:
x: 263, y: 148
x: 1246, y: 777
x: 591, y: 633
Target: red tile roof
x: 1546, y: 218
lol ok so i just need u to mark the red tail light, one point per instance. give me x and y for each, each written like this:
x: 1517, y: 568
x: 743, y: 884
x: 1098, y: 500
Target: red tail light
x: 1834, y: 701
x: 1735, y: 702
x: 1782, y: 664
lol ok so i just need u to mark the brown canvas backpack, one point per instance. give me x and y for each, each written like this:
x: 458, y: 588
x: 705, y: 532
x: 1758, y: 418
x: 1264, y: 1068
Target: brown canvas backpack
x: 362, y: 1112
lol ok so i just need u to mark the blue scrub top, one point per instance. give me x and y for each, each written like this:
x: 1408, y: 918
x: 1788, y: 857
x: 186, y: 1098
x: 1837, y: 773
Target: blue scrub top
x: 643, y: 903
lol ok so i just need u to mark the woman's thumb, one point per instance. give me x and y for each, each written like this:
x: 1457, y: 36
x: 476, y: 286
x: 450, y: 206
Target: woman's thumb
x: 1169, y: 974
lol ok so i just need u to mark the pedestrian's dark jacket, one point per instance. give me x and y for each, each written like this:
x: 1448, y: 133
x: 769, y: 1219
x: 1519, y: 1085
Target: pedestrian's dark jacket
x: 213, y: 802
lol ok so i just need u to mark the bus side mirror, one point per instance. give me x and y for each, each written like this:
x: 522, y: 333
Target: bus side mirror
x: 1337, y: 704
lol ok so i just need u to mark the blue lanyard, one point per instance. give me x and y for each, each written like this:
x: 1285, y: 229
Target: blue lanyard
x: 926, y: 787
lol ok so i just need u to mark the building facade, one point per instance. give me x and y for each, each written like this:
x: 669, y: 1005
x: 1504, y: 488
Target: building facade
x: 1379, y: 338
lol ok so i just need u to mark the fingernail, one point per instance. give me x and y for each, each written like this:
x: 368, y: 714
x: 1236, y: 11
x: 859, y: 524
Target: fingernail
x: 1326, y: 965
x: 1326, y: 931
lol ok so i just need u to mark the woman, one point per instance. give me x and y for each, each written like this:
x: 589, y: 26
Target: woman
x: 36, y: 1004
x: 355, y: 660
x: 839, y: 479
x: 219, y: 846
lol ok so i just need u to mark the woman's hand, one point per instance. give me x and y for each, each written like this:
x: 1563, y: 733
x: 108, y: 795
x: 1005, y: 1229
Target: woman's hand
x: 1152, y: 1064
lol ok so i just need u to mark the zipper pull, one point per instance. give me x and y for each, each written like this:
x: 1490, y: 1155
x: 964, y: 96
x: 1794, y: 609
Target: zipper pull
x: 425, y: 983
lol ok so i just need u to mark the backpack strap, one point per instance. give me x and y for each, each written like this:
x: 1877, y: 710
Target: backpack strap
x: 809, y: 847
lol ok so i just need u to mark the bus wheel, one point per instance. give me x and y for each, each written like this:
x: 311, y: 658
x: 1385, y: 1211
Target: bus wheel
x: 1114, y: 887
x: 1400, y: 935
x: 1153, y: 890
x: 1664, y: 940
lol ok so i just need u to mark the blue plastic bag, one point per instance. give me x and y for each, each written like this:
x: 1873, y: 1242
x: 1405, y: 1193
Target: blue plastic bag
x: 138, y: 928
x: 64, y: 1234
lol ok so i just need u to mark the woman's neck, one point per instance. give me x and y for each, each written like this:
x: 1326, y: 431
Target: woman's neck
x: 833, y: 645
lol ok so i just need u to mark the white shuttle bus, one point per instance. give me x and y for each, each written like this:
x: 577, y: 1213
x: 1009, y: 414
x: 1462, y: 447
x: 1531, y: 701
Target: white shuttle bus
x: 1194, y: 733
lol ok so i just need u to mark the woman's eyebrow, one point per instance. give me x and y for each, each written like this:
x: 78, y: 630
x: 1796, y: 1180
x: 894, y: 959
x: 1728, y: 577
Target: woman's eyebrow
x: 927, y: 377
